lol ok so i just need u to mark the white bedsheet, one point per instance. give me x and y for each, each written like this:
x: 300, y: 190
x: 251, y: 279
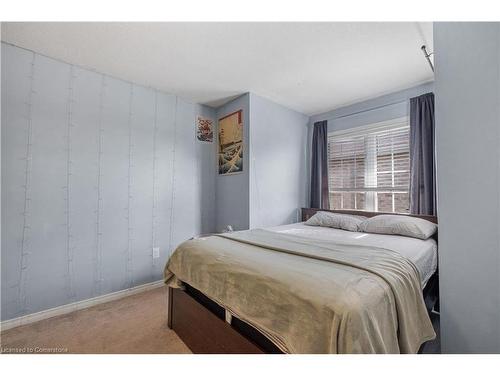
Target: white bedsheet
x: 423, y: 253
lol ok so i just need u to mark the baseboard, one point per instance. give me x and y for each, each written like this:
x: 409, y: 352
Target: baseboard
x: 74, y: 306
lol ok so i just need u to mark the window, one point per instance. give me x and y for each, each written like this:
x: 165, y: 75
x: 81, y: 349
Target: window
x: 369, y: 169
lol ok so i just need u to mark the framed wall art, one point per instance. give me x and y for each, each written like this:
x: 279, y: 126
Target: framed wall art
x: 231, y: 143
x: 204, y: 129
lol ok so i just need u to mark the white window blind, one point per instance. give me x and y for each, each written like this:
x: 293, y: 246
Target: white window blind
x: 369, y: 169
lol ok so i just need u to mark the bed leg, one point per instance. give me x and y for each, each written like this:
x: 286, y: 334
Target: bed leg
x: 169, y: 307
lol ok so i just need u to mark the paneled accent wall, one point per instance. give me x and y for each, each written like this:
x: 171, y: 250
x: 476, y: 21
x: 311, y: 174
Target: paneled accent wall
x: 95, y: 173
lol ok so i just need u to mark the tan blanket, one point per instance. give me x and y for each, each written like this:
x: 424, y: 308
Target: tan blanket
x: 309, y: 296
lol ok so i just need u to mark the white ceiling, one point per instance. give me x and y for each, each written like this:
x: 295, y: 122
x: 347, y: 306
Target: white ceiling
x: 309, y: 67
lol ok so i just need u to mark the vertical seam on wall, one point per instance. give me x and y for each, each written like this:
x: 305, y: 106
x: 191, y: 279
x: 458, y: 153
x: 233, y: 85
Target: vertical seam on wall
x: 27, y: 179
x: 173, y: 180
x: 98, y: 249
x: 153, y: 210
x: 69, y: 248
x: 129, y: 191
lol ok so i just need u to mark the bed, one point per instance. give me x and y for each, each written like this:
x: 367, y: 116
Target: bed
x: 303, y: 289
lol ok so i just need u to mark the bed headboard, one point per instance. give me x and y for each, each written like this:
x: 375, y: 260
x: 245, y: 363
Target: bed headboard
x: 308, y: 212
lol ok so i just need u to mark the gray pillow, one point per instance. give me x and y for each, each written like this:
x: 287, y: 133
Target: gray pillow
x: 398, y: 224
x: 334, y: 220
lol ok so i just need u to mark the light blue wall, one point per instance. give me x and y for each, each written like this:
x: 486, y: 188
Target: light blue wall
x: 271, y: 188
x: 468, y: 153
x: 232, y: 191
x: 278, y: 163
x: 112, y: 170
x: 207, y: 172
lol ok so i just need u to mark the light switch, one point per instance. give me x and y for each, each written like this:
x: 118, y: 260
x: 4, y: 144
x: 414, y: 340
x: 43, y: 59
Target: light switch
x: 156, y: 252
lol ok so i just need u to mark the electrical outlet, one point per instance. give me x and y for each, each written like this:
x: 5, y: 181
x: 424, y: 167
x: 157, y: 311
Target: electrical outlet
x: 156, y: 252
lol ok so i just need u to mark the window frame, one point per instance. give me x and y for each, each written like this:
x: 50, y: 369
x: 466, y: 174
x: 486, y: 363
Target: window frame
x: 370, y: 161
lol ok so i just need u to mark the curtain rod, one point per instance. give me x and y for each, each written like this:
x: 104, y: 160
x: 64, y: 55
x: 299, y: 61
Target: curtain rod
x: 367, y: 110
x: 427, y: 56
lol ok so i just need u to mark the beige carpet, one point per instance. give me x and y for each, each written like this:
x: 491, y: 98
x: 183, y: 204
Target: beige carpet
x: 135, y: 324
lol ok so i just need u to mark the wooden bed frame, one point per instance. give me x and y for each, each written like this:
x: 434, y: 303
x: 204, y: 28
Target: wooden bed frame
x: 206, y: 328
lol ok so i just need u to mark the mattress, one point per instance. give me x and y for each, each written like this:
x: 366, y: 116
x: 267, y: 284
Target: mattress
x: 309, y: 295
x: 422, y: 253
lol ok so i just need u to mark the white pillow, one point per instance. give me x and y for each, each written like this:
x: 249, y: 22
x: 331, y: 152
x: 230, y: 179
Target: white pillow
x: 334, y: 220
x: 398, y: 224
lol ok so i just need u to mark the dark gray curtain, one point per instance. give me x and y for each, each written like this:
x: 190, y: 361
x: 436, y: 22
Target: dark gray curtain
x: 422, y: 163
x: 319, y: 166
